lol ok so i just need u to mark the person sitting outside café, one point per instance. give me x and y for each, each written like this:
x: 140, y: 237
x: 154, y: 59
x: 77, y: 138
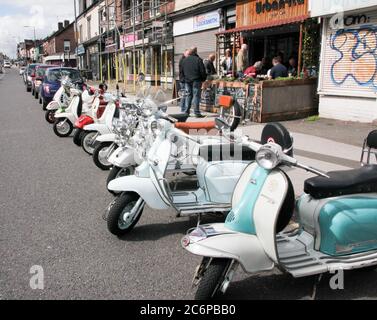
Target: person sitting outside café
x: 253, y: 71
x: 210, y: 67
x: 227, y: 63
x: 194, y: 73
x: 182, y: 79
x: 278, y: 70
x: 292, y: 69
x: 242, y: 60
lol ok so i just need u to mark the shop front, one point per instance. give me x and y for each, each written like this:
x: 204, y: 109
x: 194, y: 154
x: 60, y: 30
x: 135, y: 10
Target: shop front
x: 270, y: 29
x: 348, y: 75
x: 195, y: 31
x: 151, y: 55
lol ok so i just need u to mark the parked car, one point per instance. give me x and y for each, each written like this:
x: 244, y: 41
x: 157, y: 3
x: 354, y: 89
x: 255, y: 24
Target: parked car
x: 22, y: 70
x: 30, y: 75
x: 7, y: 64
x: 52, y: 81
x: 40, y: 72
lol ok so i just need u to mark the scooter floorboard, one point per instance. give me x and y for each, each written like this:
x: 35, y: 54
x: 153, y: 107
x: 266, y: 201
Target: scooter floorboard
x: 298, y: 257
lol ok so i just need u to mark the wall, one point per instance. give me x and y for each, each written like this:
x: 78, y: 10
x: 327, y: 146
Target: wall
x: 94, y: 24
x: 328, y: 7
x: 67, y: 34
x: 184, y: 4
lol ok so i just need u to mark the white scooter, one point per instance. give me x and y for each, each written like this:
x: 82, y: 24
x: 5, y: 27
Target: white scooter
x: 337, y: 214
x: 175, y: 152
x: 122, y: 132
x: 103, y: 125
x: 61, y: 100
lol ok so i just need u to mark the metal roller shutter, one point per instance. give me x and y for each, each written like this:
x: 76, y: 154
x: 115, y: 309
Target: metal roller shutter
x: 204, y: 41
x: 349, y: 61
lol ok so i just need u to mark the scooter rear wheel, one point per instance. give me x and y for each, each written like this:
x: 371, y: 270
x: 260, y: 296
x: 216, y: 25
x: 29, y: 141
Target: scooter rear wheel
x: 210, y: 284
x: 118, y: 223
x: 77, y: 137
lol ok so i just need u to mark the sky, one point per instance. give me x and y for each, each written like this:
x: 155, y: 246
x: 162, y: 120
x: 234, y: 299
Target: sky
x: 43, y: 14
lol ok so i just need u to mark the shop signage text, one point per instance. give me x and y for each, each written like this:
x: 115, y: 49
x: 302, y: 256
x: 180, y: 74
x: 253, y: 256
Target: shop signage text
x: 268, y: 5
x: 207, y: 21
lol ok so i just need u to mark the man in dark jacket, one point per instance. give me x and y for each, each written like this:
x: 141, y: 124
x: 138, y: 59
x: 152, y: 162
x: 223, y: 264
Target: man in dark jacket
x: 182, y: 79
x: 194, y: 74
x: 210, y: 67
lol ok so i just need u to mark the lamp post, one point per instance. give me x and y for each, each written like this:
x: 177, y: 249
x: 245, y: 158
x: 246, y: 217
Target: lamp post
x: 35, y: 41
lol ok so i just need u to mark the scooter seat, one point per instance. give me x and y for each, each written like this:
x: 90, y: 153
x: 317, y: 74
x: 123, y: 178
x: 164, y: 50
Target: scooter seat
x: 342, y: 183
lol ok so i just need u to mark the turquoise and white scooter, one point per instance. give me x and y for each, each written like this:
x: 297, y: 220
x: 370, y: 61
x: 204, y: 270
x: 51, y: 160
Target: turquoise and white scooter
x: 337, y: 215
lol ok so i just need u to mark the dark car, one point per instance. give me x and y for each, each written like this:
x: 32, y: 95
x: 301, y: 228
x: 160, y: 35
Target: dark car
x: 30, y: 75
x: 52, y: 82
x: 40, y: 72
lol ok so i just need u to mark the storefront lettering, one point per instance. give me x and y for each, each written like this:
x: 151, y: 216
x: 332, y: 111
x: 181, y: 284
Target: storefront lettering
x: 358, y: 19
x: 268, y: 5
x: 357, y: 57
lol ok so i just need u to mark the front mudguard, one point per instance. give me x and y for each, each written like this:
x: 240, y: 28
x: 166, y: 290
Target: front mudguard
x: 65, y: 115
x: 100, y: 128
x: 144, y: 187
x: 123, y: 158
x: 226, y: 244
x: 53, y: 106
x: 106, y: 138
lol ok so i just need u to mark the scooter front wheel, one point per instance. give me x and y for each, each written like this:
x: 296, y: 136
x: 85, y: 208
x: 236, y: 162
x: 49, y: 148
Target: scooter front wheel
x: 88, y: 139
x: 210, y: 284
x: 124, y: 213
x: 63, y: 128
x: 50, y: 116
x: 117, y: 172
x: 101, y: 154
x: 77, y: 137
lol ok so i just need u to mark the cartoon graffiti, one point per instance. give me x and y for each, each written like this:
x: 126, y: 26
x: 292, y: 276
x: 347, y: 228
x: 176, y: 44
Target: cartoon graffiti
x: 357, y: 60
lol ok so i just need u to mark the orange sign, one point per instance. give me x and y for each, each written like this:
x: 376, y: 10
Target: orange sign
x: 261, y: 13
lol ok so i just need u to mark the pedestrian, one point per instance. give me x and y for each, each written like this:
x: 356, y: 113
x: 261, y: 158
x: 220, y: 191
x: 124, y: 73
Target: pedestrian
x: 182, y: 80
x: 210, y: 67
x: 254, y: 70
x: 227, y: 63
x: 242, y: 60
x: 278, y: 70
x: 194, y: 74
x: 292, y: 70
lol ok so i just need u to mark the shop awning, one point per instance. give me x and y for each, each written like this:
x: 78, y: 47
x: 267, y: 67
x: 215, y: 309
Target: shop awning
x: 266, y: 25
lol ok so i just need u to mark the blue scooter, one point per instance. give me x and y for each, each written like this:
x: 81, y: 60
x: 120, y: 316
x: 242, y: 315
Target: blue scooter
x: 337, y: 215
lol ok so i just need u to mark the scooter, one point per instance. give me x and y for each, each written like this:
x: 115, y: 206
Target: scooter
x: 94, y: 98
x: 217, y: 166
x: 61, y: 100
x: 103, y: 125
x: 337, y: 214
x: 123, y: 131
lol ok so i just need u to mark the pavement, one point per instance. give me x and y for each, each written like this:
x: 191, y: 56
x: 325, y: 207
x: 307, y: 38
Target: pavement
x: 52, y: 199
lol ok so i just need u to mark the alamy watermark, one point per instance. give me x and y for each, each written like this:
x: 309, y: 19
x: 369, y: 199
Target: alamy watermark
x: 37, y: 279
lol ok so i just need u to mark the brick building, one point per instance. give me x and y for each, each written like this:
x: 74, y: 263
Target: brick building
x: 59, y: 48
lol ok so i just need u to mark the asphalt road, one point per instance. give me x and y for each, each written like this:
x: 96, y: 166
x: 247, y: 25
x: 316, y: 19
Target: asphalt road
x: 52, y: 198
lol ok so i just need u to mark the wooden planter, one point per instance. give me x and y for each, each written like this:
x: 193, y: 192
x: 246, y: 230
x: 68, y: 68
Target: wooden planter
x: 267, y: 101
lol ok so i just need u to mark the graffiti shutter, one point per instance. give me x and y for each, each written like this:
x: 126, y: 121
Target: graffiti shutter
x: 349, y: 64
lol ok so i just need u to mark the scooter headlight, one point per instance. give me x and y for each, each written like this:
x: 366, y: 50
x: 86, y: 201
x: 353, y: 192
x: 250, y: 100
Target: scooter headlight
x: 268, y: 158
